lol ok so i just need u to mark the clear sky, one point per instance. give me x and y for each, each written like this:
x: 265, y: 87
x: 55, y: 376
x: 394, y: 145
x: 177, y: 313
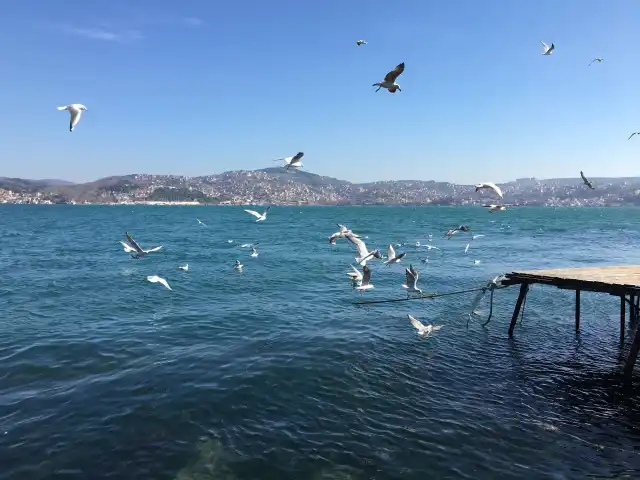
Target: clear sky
x: 202, y: 86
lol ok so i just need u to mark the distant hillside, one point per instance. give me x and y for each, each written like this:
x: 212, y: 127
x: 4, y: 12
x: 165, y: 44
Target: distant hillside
x: 279, y: 186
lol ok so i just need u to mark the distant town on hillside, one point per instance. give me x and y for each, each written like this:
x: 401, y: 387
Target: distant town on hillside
x: 276, y: 186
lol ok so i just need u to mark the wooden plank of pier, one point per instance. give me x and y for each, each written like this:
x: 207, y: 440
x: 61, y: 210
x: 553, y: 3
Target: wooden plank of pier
x: 621, y: 281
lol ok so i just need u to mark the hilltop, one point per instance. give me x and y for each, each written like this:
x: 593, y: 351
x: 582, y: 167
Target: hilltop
x: 276, y: 186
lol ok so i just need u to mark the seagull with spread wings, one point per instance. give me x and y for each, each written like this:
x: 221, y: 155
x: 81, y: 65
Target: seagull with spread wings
x: 595, y: 60
x: 260, y: 217
x: 490, y: 186
x: 423, y: 330
x: 389, y: 81
x: 341, y: 234
x: 291, y: 162
x: 363, y: 253
x: 139, y: 251
x: 361, y: 42
x: 546, y: 49
x: 586, y: 181
x: 392, y: 257
x: 75, y: 112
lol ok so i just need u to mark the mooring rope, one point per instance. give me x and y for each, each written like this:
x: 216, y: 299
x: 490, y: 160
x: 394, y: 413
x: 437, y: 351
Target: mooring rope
x: 421, y: 297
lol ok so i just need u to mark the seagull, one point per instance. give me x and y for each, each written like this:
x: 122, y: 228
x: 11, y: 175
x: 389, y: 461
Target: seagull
x: 260, y: 218
x: 157, y: 279
x: 430, y: 247
x: 546, y: 49
x: 476, y: 237
x: 184, y: 267
x: 355, y: 276
x: 453, y: 231
x: 361, y: 42
x: 466, y: 249
x: 587, y: 182
x: 423, y: 330
x: 634, y: 133
x: 495, y: 208
x: 248, y: 245
x: 491, y: 186
x: 595, y: 60
x: 291, y: 162
x: 238, y: 266
x: 254, y: 252
x: 363, y: 253
x: 199, y: 222
x: 389, y: 81
x: 75, y: 112
x: 365, y: 283
x: 344, y: 231
x: 392, y: 257
x: 139, y: 252
x: 476, y: 262
x: 411, y: 282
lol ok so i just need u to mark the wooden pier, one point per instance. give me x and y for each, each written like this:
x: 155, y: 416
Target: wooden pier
x: 623, y: 282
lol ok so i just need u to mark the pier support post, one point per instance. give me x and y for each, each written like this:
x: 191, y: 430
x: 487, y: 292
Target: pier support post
x: 623, y: 302
x: 577, y: 311
x: 524, y: 289
x: 631, y: 358
x: 632, y: 307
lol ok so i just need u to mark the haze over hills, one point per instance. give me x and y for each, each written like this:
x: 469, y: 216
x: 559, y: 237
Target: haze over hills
x: 278, y: 186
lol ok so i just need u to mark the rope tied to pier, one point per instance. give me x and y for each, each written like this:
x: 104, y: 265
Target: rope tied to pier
x: 427, y: 296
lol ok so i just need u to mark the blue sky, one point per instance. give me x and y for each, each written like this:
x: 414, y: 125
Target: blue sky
x: 199, y: 86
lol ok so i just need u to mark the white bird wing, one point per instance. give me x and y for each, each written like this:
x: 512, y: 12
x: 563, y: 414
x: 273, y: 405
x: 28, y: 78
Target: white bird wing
x: 435, y: 328
x: 75, y: 117
x: 415, y: 275
x: 391, y: 253
x: 134, y: 243
x: 495, y: 188
x: 355, y: 273
x: 545, y: 47
x: 416, y: 323
x: 254, y: 213
x: 127, y: 248
x: 62, y: 108
x: 476, y: 236
x: 154, y: 249
x: 360, y: 246
x: 157, y: 279
x: 466, y: 249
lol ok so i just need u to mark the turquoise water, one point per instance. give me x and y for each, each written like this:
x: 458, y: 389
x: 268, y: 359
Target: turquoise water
x: 272, y: 373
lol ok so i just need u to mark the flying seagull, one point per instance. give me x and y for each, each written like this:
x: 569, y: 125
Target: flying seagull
x: 365, y: 283
x: 361, y: 42
x: 260, y: 217
x: 200, y: 223
x: 249, y: 245
x: 411, y: 281
x: 453, y: 231
x: 595, y: 60
x: 495, y: 208
x: 75, y: 112
x: 389, y: 81
x: 157, y: 279
x: 341, y: 234
x: 586, y: 181
x: 634, y: 133
x: 139, y: 252
x: 363, y: 253
x: 491, y: 186
x: 546, y: 49
x: 184, y: 267
x: 423, y: 330
x: 291, y: 162
x: 392, y: 257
